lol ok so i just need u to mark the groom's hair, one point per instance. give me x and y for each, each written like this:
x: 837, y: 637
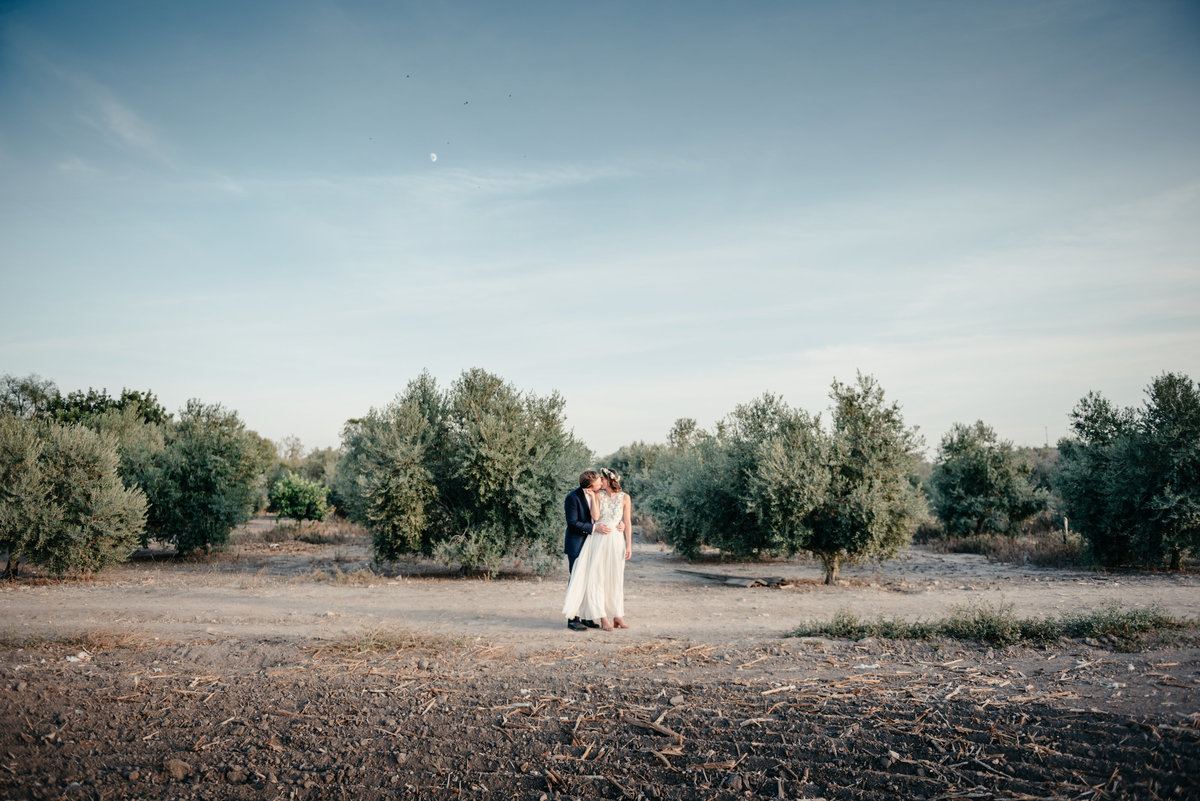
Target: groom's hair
x: 587, y: 477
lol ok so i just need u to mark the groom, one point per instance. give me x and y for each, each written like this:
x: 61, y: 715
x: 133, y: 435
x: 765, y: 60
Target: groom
x: 579, y: 526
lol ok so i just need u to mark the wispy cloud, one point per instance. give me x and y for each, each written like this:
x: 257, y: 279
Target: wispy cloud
x: 75, y: 165
x: 97, y: 105
x: 121, y: 123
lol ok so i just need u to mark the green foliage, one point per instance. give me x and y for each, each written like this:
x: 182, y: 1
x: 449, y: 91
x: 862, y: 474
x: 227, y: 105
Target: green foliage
x: 63, y: 504
x: 468, y: 475
x: 78, y: 405
x: 139, y: 442
x: 26, y: 511
x: 319, y: 465
x: 771, y: 481
x: 205, y: 480
x: 744, y: 488
x: 998, y: 625
x: 981, y: 485
x: 637, y: 463
x: 34, y: 398
x: 299, y: 498
x: 1130, y: 478
x: 873, y: 501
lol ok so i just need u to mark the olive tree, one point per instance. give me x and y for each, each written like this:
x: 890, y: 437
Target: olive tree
x: 26, y: 510
x: 981, y: 484
x: 873, y: 501
x: 206, y: 479
x: 1130, y: 478
x: 63, y: 504
x: 469, y: 474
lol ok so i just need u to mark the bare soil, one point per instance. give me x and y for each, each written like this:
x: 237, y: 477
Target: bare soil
x: 288, y: 670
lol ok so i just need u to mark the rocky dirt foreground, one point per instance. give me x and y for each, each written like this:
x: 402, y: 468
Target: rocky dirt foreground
x: 426, y: 718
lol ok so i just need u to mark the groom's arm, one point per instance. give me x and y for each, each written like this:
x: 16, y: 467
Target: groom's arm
x: 575, y: 522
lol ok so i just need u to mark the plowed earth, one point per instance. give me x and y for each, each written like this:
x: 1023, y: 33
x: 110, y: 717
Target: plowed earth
x: 286, y: 670
x: 799, y: 719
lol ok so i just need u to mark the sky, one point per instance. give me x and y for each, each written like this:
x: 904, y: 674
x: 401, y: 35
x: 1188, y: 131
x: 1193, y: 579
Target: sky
x: 657, y: 210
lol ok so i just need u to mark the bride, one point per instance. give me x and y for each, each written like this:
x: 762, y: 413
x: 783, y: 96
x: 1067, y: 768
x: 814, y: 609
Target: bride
x: 596, y: 590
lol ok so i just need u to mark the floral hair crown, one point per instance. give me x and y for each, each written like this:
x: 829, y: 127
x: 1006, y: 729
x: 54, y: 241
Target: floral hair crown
x: 611, y: 475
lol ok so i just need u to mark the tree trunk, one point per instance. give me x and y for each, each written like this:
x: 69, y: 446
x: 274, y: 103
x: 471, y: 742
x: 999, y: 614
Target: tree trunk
x: 1176, y: 559
x: 831, y: 568
x: 10, y: 572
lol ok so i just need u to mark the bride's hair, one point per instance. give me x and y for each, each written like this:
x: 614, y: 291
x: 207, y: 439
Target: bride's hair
x: 613, y: 476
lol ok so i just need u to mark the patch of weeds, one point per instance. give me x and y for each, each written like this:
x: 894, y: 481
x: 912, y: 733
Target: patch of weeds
x: 846, y: 625
x: 1123, y: 626
x: 990, y: 624
x: 997, y: 625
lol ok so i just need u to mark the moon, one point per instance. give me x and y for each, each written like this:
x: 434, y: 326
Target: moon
x: 433, y: 156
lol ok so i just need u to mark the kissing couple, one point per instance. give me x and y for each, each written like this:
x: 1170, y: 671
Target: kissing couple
x: 599, y: 541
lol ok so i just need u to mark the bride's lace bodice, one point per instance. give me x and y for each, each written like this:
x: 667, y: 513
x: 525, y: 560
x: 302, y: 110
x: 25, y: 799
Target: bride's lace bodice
x: 612, y: 508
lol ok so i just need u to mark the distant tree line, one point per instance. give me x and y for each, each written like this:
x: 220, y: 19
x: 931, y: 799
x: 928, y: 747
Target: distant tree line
x: 474, y: 473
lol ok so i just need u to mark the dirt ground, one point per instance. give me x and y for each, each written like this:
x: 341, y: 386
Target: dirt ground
x: 287, y: 670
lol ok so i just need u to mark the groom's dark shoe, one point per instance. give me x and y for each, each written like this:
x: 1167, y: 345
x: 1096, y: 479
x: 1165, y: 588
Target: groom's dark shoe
x: 575, y: 625
x: 591, y: 624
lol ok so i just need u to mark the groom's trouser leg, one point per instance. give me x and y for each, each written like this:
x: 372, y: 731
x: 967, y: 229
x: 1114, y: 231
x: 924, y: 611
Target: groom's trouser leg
x: 570, y: 568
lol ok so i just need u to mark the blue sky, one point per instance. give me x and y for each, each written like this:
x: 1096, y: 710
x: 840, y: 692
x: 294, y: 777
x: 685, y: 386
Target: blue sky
x: 659, y: 210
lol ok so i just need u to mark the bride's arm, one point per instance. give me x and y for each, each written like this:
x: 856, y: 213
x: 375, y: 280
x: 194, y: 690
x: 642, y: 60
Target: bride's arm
x: 628, y: 526
x: 594, y: 505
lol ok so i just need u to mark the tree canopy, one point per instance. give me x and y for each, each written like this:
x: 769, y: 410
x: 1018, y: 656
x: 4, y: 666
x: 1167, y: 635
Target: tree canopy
x: 981, y: 484
x: 1130, y: 478
x: 469, y: 475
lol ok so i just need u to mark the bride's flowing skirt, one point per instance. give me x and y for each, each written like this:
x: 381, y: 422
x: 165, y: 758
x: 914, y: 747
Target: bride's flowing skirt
x: 597, y: 585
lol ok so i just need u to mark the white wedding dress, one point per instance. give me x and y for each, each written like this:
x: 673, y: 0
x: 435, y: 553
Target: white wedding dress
x: 597, y: 585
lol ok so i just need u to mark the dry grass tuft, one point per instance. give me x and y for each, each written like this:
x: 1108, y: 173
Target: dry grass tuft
x: 1051, y: 549
x: 386, y: 639
x: 334, y: 531
x: 93, y: 641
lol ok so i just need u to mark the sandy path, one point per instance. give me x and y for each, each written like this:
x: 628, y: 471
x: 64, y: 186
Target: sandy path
x: 247, y: 596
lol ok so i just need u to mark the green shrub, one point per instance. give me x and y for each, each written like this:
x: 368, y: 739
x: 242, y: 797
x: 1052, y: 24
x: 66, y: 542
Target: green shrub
x: 874, y: 502
x: 981, y: 485
x: 26, y: 511
x: 298, y: 498
x: 469, y: 475
x: 63, y: 504
x: 205, y: 481
x: 770, y: 481
x: 1130, y: 478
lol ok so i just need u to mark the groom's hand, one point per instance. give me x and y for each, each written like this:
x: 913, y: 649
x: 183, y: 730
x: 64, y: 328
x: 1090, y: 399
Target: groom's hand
x: 621, y: 526
x: 601, y: 528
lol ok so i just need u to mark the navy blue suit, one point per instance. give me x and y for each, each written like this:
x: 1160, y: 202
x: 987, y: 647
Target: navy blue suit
x: 579, y: 524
